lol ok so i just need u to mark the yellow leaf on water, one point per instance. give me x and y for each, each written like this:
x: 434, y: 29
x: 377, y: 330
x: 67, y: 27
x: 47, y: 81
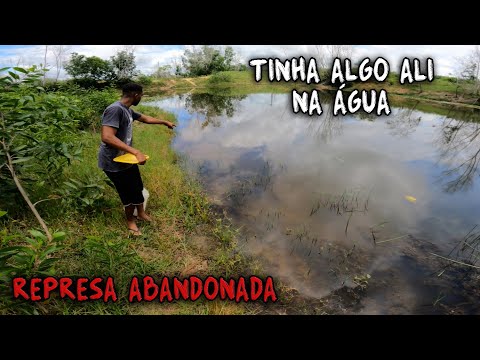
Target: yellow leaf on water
x: 410, y: 198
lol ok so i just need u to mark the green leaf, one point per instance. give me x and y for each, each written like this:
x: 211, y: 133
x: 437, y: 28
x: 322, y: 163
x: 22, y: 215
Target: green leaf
x: 37, y: 234
x: 2, y: 213
x: 31, y: 138
x: 52, y: 249
x: 25, y: 250
x: 50, y: 272
x: 21, y: 147
x: 45, y: 264
x: 6, y: 270
x: 59, y: 236
x: 31, y: 241
x: 20, y: 160
x: 25, y: 116
x: 5, y: 68
x: 9, y: 251
x: 70, y: 185
x: 15, y: 76
x: 76, y: 182
x: 22, y: 70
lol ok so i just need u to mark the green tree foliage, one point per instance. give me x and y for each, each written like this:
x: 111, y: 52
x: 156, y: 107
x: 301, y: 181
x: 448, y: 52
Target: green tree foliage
x: 123, y: 64
x: 163, y: 71
x: 37, y: 132
x: 207, y: 60
x: 90, y: 71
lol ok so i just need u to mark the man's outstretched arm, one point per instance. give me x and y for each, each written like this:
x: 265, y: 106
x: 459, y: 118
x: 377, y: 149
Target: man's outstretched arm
x: 151, y: 120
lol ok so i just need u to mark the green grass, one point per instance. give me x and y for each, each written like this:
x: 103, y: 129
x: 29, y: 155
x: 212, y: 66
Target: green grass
x: 229, y: 82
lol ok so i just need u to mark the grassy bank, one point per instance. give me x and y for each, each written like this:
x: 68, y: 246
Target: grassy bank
x: 227, y: 82
x: 185, y: 238
x: 442, y: 90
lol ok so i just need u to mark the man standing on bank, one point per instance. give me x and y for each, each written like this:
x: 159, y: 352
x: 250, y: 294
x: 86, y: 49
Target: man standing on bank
x: 117, y: 131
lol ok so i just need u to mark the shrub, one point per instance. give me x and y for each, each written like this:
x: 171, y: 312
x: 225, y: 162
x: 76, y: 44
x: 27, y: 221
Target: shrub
x: 84, y: 195
x: 218, y: 78
x: 144, y: 79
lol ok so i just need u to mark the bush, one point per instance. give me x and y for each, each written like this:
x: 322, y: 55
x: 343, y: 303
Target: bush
x: 144, y: 79
x: 90, y: 104
x: 84, y: 195
x: 218, y: 78
x: 38, y: 130
x: 33, y: 258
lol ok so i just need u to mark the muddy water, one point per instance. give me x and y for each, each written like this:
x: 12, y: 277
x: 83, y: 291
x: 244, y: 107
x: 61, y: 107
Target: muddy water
x: 328, y: 203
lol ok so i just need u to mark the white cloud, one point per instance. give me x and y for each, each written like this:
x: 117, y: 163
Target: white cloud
x: 444, y: 56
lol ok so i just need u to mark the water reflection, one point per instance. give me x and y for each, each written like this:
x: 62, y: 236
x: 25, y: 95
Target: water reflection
x: 322, y: 201
x: 212, y: 106
x: 459, y: 144
x: 327, y: 127
x: 404, y: 121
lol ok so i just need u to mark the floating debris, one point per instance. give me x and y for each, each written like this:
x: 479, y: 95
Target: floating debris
x: 410, y: 198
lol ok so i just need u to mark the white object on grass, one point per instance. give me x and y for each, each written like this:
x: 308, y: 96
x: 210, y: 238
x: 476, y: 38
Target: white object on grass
x: 146, y: 194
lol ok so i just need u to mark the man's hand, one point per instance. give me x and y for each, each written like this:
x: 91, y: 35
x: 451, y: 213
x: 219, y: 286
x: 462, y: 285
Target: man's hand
x: 169, y: 124
x: 151, y: 120
x: 140, y: 157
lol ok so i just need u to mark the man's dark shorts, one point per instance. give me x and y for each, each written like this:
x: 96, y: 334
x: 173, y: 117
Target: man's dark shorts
x: 128, y: 184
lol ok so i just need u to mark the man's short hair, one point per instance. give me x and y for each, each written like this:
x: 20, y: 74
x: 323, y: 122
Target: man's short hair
x: 131, y: 88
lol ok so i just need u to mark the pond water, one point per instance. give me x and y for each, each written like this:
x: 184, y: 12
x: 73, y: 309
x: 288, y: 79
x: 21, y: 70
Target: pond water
x: 359, y: 201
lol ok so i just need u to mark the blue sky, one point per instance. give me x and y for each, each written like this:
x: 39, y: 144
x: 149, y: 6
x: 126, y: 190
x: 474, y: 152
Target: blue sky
x: 148, y: 57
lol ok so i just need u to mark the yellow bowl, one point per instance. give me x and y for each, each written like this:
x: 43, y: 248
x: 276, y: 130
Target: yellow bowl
x: 128, y: 158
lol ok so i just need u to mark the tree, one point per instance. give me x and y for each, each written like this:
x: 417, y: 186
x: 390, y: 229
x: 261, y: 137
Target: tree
x: 59, y: 51
x: 123, y: 63
x: 475, y: 59
x: 177, y: 67
x: 327, y: 53
x: 229, y: 57
x: 45, y: 64
x: 468, y: 68
x: 89, y: 71
x: 206, y: 60
x: 162, y: 71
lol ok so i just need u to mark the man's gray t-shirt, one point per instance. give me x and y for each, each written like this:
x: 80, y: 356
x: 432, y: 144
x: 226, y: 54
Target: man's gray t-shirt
x: 121, y: 118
